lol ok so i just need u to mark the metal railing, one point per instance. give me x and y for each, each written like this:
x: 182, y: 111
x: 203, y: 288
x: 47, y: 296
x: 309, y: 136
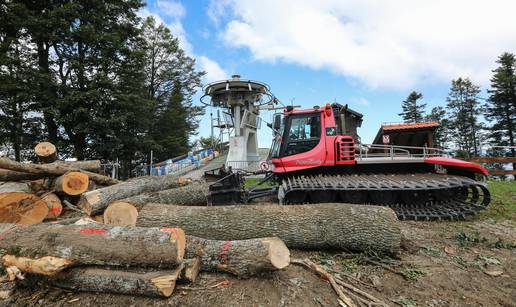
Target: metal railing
x: 393, y: 151
x: 249, y: 166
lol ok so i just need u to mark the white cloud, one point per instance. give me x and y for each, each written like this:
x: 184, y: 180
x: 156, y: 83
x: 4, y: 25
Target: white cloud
x: 174, y: 12
x: 213, y: 70
x: 390, y: 44
x: 171, y: 8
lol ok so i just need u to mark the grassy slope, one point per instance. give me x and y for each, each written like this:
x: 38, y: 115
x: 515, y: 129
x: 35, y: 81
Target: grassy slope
x: 503, y: 201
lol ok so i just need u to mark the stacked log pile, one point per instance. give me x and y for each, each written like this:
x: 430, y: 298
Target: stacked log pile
x: 141, y: 247
x: 129, y: 260
x: 33, y: 192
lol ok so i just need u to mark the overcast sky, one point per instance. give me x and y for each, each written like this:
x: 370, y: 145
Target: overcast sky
x: 367, y: 53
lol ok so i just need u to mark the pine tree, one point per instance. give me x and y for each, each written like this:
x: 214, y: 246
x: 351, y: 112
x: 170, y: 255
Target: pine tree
x: 412, y: 111
x: 19, y: 126
x: 464, y: 108
x: 501, y: 105
x: 171, y: 81
x: 438, y: 114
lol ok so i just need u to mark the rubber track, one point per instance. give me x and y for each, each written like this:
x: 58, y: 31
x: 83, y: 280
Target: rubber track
x: 460, y: 206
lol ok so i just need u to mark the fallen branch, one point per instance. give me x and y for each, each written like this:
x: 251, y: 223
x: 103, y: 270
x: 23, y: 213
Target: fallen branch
x: 307, y: 263
x: 388, y: 268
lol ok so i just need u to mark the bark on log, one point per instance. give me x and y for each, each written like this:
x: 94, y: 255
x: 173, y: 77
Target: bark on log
x: 95, y: 244
x: 72, y: 183
x: 8, y: 175
x: 94, y: 279
x: 57, y: 168
x: 46, y: 152
x: 190, y: 271
x: 85, y: 165
x: 317, y: 226
x: 55, y: 208
x: 6, y: 187
x: 120, y: 214
x: 191, y: 195
x: 22, y: 208
x: 243, y: 258
x: 94, y: 202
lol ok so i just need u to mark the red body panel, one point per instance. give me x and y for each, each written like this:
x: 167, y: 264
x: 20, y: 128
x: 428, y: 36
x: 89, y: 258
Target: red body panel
x: 321, y: 155
x: 324, y: 153
x: 456, y: 163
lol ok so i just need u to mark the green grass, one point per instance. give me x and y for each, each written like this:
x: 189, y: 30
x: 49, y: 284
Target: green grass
x: 249, y: 182
x: 503, y: 201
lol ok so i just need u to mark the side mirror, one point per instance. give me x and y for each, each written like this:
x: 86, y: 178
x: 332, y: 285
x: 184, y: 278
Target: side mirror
x: 276, y: 123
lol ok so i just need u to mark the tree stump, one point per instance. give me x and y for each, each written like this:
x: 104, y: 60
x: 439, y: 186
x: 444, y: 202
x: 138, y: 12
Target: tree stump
x: 22, y: 208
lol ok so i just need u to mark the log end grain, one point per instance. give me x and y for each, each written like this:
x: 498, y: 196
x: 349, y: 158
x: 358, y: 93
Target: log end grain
x: 177, y: 236
x: 54, y: 205
x: 87, y: 201
x: 279, y: 254
x: 165, y: 284
x: 120, y: 213
x: 72, y: 183
x: 22, y: 208
x: 46, y: 152
x: 191, y: 268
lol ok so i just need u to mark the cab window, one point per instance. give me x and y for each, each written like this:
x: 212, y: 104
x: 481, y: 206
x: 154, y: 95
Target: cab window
x: 304, y: 134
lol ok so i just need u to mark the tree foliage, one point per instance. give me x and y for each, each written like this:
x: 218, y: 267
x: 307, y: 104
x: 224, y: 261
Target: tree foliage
x: 413, y: 112
x: 501, y: 105
x: 95, y: 79
x: 464, y: 109
x: 438, y: 114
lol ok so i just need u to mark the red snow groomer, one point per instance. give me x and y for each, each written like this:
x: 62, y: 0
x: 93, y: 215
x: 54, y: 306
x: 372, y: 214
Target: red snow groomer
x: 317, y: 158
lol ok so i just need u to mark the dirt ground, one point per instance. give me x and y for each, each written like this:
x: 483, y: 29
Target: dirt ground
x: 441, y: 264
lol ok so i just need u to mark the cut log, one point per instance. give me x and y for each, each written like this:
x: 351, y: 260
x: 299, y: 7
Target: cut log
x: 47, y: 265
x: 57, y: 168
x: 243, y: 258
x: 94, y: 202
x: 8, y: 175
x: 55, y: 208
x: 317, y: 226
x: 22, y: 208
x: 72, y: 183
x: 46, y: 152
x: 191, y: 195
x: 95, y: 244
x: 190, y: 271
x: 6, y: 187
x: 120, y: 214
x: 94, y: 279
x: 84, y: 165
